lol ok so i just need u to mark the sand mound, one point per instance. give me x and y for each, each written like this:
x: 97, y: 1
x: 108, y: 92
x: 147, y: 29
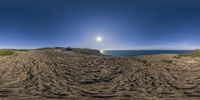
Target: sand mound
x: 56, y: 74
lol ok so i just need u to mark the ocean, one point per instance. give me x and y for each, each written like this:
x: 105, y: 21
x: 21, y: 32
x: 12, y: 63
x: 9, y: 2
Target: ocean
x: 142, y: 52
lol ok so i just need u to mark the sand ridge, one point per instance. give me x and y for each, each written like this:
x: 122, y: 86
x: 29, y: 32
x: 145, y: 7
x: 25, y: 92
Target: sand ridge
x: 50, y: 74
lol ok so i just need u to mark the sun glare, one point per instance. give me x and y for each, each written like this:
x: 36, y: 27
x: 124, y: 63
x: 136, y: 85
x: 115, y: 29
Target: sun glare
x: 99, y: 39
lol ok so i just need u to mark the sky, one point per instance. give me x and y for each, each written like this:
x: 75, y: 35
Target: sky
x: 122, y: 24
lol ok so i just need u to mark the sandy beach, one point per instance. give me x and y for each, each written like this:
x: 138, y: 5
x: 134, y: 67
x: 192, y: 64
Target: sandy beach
x: 58, y: 74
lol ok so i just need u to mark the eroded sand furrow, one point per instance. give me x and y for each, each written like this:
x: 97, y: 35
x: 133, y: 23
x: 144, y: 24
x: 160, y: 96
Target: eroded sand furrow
x: 54, y: 74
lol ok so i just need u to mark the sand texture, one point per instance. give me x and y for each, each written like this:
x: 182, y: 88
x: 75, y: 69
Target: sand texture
x: 55, y: 74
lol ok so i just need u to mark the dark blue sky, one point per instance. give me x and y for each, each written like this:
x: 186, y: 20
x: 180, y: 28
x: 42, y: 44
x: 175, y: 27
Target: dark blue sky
x: 123, y: 24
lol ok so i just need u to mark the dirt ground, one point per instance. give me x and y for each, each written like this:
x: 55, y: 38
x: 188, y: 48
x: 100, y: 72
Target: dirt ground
x: 53, y: 74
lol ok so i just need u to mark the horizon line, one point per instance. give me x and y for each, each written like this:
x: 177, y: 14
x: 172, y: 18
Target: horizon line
x: 98, y: 49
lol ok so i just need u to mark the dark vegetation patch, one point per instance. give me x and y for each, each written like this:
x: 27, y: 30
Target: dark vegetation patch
x: 6, y: 52
x: 167, y: 61
x: 192, y: 54
x: 22, y: 50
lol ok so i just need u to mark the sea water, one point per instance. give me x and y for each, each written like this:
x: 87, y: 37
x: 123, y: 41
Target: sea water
x: 142, y: 52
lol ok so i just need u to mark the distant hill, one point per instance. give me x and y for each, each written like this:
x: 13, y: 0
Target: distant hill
x: 75, y: 50
x: 86, y: 51
x: 198, y: 50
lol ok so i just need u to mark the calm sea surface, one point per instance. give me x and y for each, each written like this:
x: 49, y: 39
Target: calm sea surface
x: 142, y: 52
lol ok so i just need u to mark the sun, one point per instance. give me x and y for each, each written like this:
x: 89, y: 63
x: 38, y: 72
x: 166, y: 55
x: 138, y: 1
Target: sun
x: 99, y: 39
